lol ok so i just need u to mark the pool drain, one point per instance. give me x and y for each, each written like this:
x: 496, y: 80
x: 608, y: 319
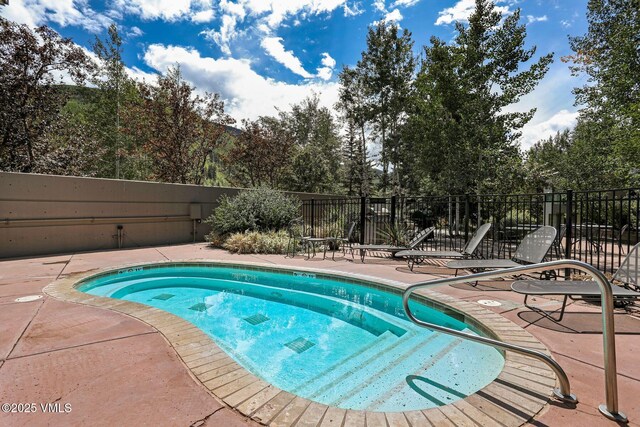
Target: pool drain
x: 489, y: 303
x: 28, y: 298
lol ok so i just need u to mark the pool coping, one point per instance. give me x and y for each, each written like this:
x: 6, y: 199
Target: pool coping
x: 521, y: 390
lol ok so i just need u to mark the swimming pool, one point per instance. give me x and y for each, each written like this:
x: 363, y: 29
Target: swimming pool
x: 342, y: 343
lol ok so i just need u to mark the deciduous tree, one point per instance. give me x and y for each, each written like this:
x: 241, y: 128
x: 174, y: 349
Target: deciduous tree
x: 357, y: 175
x: 384, y: 75
x: 32, y: 64
x: 123, y: 154
x: 609, y: 56
x: 260, y: 154
x: 316, y: 160
x: 180, y: 129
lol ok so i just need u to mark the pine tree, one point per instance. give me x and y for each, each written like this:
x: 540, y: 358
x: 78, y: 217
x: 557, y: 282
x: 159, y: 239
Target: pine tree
x: 357, y: 164
x: 464, y: 139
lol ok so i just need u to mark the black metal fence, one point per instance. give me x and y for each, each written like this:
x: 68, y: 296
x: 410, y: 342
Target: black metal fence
x: 598, y: 227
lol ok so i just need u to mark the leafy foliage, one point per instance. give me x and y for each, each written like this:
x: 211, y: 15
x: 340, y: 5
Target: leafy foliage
x: 261, y: 209
x: 466, y: 140
x: 383, y: 79
x: 180, y: 129
x: 395, y: 234
x: 546, y: 163
x: 255, y: 242
x: 30, y: 102
x: 448, y: 127
x: 357, y: 174
x: 610, y: 118
x: 260, y: 154
x: 316, y: 158
x: 123, y: 155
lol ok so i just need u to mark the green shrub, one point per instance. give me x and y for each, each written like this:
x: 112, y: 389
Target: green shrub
x: 262, y: 209
x: 518, y: 216
x: 254, y: 242
x: 215, y: 239
x: 394, y: 234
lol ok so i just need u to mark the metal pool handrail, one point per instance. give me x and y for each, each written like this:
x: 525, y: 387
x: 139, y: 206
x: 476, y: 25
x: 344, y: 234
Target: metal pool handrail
x: 610, y: 409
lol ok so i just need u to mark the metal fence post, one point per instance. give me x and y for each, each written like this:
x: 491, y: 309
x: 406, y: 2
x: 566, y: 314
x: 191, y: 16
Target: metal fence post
x: 313, y: 217
x: 393, y: 211
x: 363, y: 205
x: 569, y: 232
x: 467, y: 217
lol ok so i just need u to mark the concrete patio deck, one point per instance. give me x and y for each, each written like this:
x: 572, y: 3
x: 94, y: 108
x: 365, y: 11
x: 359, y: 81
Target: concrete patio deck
x: 115, y: 370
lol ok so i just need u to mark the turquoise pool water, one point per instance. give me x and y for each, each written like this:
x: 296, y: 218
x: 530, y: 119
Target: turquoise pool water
x: 337, y: 343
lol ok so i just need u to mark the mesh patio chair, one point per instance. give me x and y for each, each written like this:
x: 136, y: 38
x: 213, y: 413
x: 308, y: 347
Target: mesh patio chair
x: 620, y: 237
x: 345, y: 241
x: 417, y: 240
x: 628, y: 274
x: 468, y: 251
x: 532, y: 250
x: 297, y: 238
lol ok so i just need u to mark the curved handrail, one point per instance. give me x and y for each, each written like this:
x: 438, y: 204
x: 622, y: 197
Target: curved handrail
x: 610, y: 410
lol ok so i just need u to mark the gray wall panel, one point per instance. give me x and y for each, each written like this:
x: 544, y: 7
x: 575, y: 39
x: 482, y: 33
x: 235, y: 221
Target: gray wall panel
x: 46, y: 214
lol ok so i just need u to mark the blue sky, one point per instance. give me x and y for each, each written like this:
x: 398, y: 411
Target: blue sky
x: 266, y: 54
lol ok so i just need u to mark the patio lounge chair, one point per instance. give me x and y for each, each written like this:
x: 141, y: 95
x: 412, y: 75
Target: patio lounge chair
x: 468, y: 251
x: 393, y: 249
x: 628, y: 273
x: 532, y: 250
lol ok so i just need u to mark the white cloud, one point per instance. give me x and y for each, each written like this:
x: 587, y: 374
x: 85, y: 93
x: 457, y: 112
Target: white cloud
x: 275, y: 48
x: 565, y: 23
x: 168, y: 10
x: 328, y: 64
x: 141, y: 76
x: 328, y: 61
x: 461, y: 12
x: 380, y: 5
x: 203, y: 16
x: 354, y: 9
x: 282, y: 9
x: 404, y: 3
x: 563, y: 119
x: 134, y: 32
x: 246, y: 93
x: 267, y: 16
x: 554, y: 104
x: 274, y: 12
x: 531, y: 19
x: 393, y: 16
x: 61, y: 12
x: 227, y: 33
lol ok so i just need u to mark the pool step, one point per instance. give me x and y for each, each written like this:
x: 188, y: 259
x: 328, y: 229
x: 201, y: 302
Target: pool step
x: 394, y: 364
x: 348, y: 372
x: 351, y: 362
x: 410, y: 379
